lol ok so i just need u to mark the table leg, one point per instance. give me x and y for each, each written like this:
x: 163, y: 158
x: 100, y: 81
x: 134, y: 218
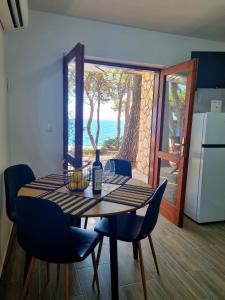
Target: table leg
x: 113, y: 258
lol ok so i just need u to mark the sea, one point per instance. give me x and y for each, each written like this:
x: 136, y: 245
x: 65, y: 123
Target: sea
x: 108, y: 129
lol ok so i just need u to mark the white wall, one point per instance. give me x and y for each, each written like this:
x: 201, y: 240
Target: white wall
x: 5, y: 225
x: 34, y: 63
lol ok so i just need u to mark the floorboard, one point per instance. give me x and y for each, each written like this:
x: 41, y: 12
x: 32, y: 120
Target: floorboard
x: 191, y: 262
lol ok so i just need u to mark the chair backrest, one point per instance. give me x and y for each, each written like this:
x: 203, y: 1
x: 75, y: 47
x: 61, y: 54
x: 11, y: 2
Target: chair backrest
x: 152, y: 212
x: 15, y: 177
x: 43, y: 230
x: 122, y: 166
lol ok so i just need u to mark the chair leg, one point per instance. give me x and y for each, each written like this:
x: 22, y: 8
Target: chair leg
x: 95, y: 270
x: 67, y: 278
x: 99, y: 251
x: 27, y: 281
x: 153, y: 253
x: 48, y: 271
x: 98, y: 257
x: 142, y: 269
x: 10, y: 247
x: 85, y: 222
x: 58, y: 271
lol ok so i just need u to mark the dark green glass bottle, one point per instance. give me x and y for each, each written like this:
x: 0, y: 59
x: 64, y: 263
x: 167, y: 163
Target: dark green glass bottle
x: 97, y: 174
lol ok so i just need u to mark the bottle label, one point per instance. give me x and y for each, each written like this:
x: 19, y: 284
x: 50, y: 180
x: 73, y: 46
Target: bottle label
x: 98, y: 179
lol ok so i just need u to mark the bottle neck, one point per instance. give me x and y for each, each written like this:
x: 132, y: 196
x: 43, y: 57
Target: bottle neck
x: 97, y: 159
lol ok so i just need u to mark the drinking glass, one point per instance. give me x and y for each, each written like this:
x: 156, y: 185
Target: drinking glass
x: 109, y: 171
x: 106, y: 172
x: 112, y: 169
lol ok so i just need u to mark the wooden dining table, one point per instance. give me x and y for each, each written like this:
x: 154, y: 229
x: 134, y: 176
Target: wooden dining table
x: 120, y: 194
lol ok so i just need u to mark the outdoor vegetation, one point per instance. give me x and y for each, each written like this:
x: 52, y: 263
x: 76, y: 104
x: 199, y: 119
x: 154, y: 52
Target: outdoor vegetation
x: 177, y: 92
x: 122, y: 88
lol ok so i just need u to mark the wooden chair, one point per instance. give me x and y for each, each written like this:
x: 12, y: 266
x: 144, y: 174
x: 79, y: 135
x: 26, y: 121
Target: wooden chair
x: 53, y: 239
x: 134, y: 228
x: 14, y: 177
x: 122, y: 167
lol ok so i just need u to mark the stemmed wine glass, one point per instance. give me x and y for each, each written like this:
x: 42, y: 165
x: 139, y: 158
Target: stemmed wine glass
x: 112, y: 169
x: 109, y: 171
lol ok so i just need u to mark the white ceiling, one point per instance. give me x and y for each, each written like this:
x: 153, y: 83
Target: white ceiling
x: 197, y: 18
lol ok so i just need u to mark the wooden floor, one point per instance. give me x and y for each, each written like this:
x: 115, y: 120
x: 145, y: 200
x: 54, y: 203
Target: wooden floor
x: 191, y: 262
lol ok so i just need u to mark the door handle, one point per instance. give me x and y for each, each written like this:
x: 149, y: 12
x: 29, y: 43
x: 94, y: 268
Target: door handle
x: 183, y: 144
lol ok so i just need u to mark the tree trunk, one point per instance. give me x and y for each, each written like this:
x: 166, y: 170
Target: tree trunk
x: 127, y: 105
x: 129, y: 147
x: 89, y: 124
x: 98, y: 121
x: 119, y: 124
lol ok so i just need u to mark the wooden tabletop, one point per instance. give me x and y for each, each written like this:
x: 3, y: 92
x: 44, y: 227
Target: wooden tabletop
x: 99, y: 206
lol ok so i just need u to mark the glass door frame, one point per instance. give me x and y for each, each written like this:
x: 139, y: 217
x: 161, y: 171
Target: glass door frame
x: 157, y: 72
x: 77, y: 54
x: 173, y: 212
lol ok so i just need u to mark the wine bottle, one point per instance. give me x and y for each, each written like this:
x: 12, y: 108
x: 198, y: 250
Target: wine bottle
x: 97, y: 174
